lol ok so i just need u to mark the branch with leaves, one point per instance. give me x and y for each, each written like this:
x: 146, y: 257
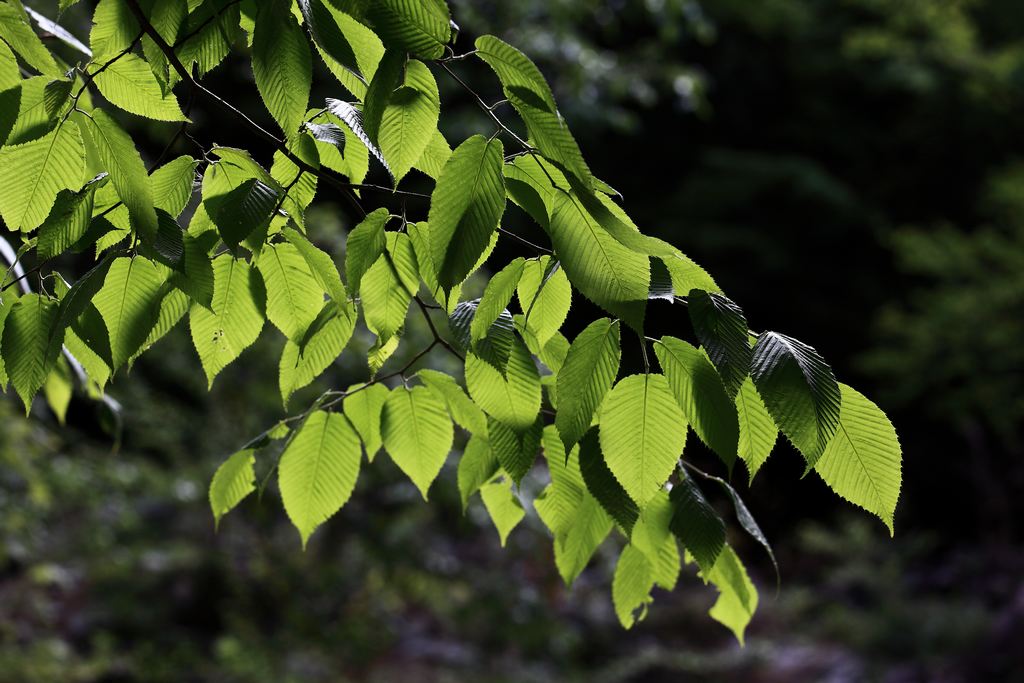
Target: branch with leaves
x: 221, y: 240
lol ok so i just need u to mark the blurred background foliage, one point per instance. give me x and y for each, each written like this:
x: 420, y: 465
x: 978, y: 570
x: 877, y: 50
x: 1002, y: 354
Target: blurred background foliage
x: 851, y: 171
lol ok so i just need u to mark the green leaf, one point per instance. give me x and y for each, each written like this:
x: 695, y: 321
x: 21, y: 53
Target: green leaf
x: 575, y: 547
x: 695, y: 523
x: 737, y: 599
x: 515, y: 449
x: 476, y: 467
x: 435, y: 156
x: 320, y: 265
x: 209, y: 35
x: 305, y: 359
x: 609, y: 274
x: 300, y: 183
x: 321, y: 19
x: 235, y: 319
x: 862, y: 462
x: 127, y: 172
x: 558, y: 503
x: 294, y: 297
x: 242, y: 211
x: 465, y: 413
x: 687, y: 275
x: 409, y: 119
x: 721, y: 328
x: 172, y: 184
x: 282, y: 64
x: 496, y: 345
x: 364, y: 246
x: 31, y: 175
x: 16, y: 32
x: 642, y: 434
x: 631, y: 586
x: 465, y: 208
x: 363, y: 408
x: 388, y: 286
x: 702, y: 396
x: 417, y: 434
x: 514, y: 399
x: 799, y: 390
x: 351, y: 117
x: 129, y: 303
x: 417, y: 26
x: 586, y: 376
x: 757, y: 431
x: 652, y: 530
x: 603, y: 486
x: 10, y: 72
x: 129, y: 84
x: 545, y: 296
x: 30, y: 108
x: 58, y: 389
x: 68, y: 220
x: 529, y: 93
x: 239, y: 195
x: 194, y: 275
x: 232, y: 482
x: 318, y: 471
x: 497, y: 295
x: 25, y: 334
x: 503, y: 506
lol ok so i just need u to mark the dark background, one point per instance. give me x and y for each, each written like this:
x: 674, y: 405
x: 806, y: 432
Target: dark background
x: 852, y: 174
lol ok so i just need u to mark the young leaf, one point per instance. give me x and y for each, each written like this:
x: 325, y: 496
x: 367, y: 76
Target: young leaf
x: 476, y: 467
x: 127, y: 172
x: 643, y: 432
x: 232, y: 482
x: 545, y: 296
x: 351, y: 117
x: 575, y: 547
x: 364, y: 246
x: 497, y: 295
x: 172, y: 184
x: 320, y: 265
x: 129, y: 303
x: 304, y: 360
x: 631, y: 586
x: 862, y: 462
x: 363, y: 408
x: 68, y: 220
x: 16, y: 32
x: 462, y: 409
x: 695, y: 523
x: 799, y: 390
x: 465, y: 208
x: 235, y: 319
x: 515, y: 449
x: 409, y: 119
x: 388, y: 286
x: 529, y: 93
x: 604, y: 271
x: 757, y: 431
x: 737, y: 599
x: 26, y: 359
x: 603, y: 486
x: 514, y: 399
x: 503, y: 506
x: 129, y: 83
x: 58, y: 389
x: 418, y: 26
x: 31, y: 175
x: 700, y: 393
x: 318, y: 471
x: 294, y: 297
x: 586, y: 376
x: 282, y: 64
x: 721, y: 328
x: 417, y: 434
x: 242, y: 211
